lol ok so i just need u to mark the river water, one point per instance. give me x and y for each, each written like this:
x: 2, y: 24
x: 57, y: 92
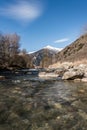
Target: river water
x: 42, y: 104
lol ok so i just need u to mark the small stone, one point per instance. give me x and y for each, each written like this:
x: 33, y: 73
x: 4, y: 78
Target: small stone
x: 16, y: 91
x: 81, y: 91
x: 58, y: 117
x: 46, y: 124
x: 16, y: 81
x: 26, y: 121
x: 17, y: 88
x: 58, y: 105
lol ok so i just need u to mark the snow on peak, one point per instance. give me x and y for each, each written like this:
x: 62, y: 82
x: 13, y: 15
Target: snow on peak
x: 31, y: 52
x: 53, y: 48
x: 49, y: 48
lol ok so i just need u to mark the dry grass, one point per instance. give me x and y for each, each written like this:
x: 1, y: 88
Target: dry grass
x: 75, y: 63
x: 75, y: 52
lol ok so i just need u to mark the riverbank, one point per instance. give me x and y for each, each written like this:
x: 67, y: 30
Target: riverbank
x: 64, y: 71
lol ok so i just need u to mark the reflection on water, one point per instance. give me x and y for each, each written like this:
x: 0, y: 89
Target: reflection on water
x: 37, y: 104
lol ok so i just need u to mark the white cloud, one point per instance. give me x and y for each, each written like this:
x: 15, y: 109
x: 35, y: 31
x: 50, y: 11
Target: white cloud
x: 22, y: 10
x: 61, y: 40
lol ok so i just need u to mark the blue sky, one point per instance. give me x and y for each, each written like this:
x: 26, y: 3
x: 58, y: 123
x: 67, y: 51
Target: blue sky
x: 43, y: 22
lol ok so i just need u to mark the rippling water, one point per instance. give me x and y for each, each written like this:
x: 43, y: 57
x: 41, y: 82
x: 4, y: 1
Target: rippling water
x: 29, y: 103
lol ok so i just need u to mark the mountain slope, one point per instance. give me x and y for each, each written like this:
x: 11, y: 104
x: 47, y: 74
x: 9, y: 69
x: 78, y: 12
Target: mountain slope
x: 76, y: 51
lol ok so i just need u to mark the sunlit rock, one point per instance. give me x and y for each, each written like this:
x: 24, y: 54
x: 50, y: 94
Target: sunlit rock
x: 58, y: 105
x: 84, y: 79
x: 77, y: 79
x: 81, y: 91
x: 71, y: 74
x: 45, y: 75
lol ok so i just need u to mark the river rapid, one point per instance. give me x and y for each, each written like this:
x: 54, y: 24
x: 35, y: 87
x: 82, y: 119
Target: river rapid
x: 30, y: 103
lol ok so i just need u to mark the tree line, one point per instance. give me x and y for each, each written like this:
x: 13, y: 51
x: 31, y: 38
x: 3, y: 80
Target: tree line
x: 11, y: 56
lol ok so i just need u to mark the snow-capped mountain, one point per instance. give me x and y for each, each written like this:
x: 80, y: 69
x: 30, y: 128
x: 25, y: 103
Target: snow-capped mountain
x: 44, y: 56
x: 49, y: 48
x: 31, y: 52
x: 53, y: 48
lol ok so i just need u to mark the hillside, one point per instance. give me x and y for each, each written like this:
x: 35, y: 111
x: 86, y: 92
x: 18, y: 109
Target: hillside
x: 76, y: 51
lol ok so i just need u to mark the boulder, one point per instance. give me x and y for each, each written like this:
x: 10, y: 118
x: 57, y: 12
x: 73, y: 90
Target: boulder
x: 71, y: 74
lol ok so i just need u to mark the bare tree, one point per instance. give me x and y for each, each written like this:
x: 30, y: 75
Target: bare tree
x: 9, y: 47
x: 12, y: 44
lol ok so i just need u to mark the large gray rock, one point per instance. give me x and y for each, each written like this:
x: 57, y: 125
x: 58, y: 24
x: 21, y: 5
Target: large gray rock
x: 71, y: 74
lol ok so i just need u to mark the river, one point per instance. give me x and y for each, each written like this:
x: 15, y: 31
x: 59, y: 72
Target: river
x: 30, y: 103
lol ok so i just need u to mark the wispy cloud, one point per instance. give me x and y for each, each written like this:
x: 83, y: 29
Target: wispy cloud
x: 61, y: 40
x: 23, y: 10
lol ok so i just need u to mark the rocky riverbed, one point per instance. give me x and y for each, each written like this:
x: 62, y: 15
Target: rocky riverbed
x: 66, y: 71
x: 32, y: 103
